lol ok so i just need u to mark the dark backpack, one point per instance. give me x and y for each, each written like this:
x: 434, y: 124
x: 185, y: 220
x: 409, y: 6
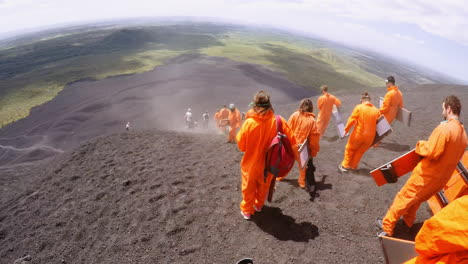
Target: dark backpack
x: 280, y: 156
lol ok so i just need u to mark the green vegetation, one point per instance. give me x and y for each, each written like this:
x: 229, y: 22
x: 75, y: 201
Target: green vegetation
x: 34, y: 73
x: 37, y: 68
x: 306, y: 64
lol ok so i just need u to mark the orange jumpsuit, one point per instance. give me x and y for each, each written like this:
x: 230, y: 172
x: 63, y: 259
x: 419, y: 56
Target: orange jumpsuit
x: 234, y: 123
x: 325, y: 104
x: 223, y: 115
x: 392, y: 103
x: 249, y: 113
x: 364, y: 119
x: 443, y: 239
x: 440, y: 154
x: 216, y: 118
x: 254, y: 139
x: 304, y: 127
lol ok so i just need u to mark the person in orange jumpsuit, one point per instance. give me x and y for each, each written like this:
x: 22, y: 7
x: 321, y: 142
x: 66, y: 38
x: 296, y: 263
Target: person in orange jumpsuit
x: 304, y: 126
x: 325, y: 105
x: 254, y: 139
x: 216, y: 118
x: 443, y: 239
x: 440, y: 156
x: 234, y: 123
x: 392, y: 102
x: 364, y: 119
x: 223, y: 115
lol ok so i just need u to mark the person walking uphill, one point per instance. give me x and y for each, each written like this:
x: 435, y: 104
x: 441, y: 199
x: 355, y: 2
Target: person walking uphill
x: 392, y: 102
x: 234, y: 123
x: 440, y: 156
x: 325, y: 105
x: 364, y: 119
x: 303, y: 124
x: 254, y: 139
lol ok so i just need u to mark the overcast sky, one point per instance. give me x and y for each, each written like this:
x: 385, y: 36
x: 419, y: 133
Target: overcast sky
x: 432, y: 33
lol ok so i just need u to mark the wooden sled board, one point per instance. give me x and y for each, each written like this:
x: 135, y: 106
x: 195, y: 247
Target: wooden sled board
x: 224, y: 122
x: 397, y: 251
x: 304, y: 154
x: 391, y: 171
x: 339, y: 121
x: 455, y: 188
x: 383, y: 129
x: 404, y: 116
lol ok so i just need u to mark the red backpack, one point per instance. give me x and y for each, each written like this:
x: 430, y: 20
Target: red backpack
x: 280, y: 156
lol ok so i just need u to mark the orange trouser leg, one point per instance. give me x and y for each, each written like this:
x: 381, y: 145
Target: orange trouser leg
x: 408, y: 200
x: 302, y: 176
x: 262, y: 191
x: 249, y: 189
x: 232, y: 134
x: 348, y: 156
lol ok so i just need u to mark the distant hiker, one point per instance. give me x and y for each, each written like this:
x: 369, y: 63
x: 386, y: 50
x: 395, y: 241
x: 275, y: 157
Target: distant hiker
x: 234, y: 123
x: 392, y: 102
x: 303, y: 123
x: 189, y: 122
x: 443, y: 238
x: 206, y: 119
x: 224, y: 116
x: 364, y: 119
x: 325, y: 105
x: 440, y: 156
x: 254, y: 140
x: 127, y: 126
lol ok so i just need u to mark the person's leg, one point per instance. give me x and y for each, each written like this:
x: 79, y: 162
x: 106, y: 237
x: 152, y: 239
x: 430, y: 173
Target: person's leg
x: 311, y: 184
x: 249, y: 187
x: 302, y: 175
x: 348, y: 156
x: 262, y: 190
x: 405, y: 199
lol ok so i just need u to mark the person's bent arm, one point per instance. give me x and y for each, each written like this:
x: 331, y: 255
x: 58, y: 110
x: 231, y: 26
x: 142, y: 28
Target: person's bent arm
x: 434, y: 147
x: 352, y: 120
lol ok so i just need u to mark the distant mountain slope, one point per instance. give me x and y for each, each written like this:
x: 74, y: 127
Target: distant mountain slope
x: 33, y: 69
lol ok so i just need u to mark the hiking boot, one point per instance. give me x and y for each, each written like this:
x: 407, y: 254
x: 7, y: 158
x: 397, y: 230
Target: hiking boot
x: 379, y: 223
x: 343, y: 169
x: 257, y: 209
x: 381, y: 233
x: 246, y: 215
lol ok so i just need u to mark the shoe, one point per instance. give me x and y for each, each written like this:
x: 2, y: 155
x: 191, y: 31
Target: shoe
x: 379, y: 223
x: 343, y: 169
x: 257, y: 209
x: 246, y: 215
x: 381, y: 233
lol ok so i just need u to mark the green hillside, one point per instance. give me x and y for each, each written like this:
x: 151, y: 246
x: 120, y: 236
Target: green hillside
x: 34, y: 72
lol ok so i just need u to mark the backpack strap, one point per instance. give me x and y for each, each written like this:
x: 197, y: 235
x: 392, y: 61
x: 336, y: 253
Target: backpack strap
x: 279, y: 124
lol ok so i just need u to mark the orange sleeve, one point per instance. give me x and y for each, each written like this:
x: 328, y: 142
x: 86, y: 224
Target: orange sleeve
x: 288, y: 131
x: 314, y: 140
x: 352, y: 120
x: 434, y: 147
x: 337, y: 102
x: 241, y: 137
x: 386, y: 103
x: 320, y: 103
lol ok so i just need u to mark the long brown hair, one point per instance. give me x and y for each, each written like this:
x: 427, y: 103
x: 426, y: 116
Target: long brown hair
x: 262, y: 102
x: 306, y: 106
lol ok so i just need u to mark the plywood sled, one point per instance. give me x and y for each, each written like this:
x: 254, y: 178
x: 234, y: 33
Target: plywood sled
x: 383, y: 129
x: 403, y: 114
x: 391, y: 171
x: 397, y: 251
